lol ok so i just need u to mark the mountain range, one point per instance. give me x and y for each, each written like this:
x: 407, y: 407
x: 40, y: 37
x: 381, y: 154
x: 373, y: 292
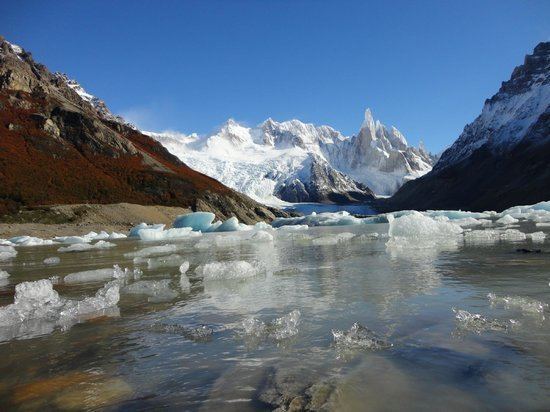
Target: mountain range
x: 294, y: 161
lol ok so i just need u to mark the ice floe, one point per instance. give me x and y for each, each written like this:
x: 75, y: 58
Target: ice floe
x: 152, y: 235
x: 238, y: 269
x: 134, y: 232
x: 4, y: 274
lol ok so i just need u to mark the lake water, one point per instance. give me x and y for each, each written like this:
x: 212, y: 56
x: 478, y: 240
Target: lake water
x: 201, y: 350
x: 354, y: 209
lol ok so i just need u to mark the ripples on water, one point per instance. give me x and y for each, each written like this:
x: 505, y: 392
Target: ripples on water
x: 346, y: 325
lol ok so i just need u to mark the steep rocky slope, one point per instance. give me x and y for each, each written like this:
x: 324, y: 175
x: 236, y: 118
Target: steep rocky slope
x: 502, y: 158
x: 60, y: 145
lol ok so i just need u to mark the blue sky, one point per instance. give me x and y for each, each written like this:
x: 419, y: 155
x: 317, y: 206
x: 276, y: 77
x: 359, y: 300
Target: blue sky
x: 424, y: 66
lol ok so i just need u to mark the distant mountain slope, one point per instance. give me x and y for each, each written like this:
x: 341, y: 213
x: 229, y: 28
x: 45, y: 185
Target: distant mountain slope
x: 298, y: 162
x: 58, y: 144
x: 502, y: 158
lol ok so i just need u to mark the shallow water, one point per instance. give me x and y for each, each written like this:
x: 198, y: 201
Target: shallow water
x: 231, y: 344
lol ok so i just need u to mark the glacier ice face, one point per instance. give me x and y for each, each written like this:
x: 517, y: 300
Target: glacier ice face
x: 231, y: 270
x: 196, y: 221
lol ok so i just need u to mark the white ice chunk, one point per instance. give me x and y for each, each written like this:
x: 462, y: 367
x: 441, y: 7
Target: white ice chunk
x: 7, y: 252
x: 157, y: 235
x: 184, y: 267
x: 30, y: 241
x: 513, y: 235
x: 278, y: 329
x: 543, y: 224
x: 230, y: 225
x: 4, y: 274
x: 416, y: 230
x: 156, y: 290
x: 262, y: 226
x: 196, y: 221
x: 165, y: 261
x: 134, y: 232
x: 152, y: 251
x: 54, y: 260
x: 333, y: 239
x: 238, y: 269
x: 95, y: 275
x: 84, y: 247
x: 537, y: 236
x: 507, y: 220
x: 262, y: 236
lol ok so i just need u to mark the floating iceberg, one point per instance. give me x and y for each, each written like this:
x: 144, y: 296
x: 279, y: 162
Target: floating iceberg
x: 152, y: 251
x: 101, y: 275
x: 359, y: 337
x: 38, y: 309
x: 157, y: 235
x: 416, y: 230
x: 477, y: 323
x: 156, y: 290
x: 279, y: 329
x: 165, y: 261
x: 527, y: 305
x: 4, y: 274
x: 333, y: 239
x: 506, y: 220
x: 7, y: 252
x: 262, y: 236
x: 537, y: 236
x: 238, y: 269
x: 84, y: 247
x: 54, y: 260
x: 230, y: 225
x: 30, y: 241
x: 134, y: 232
x: 196, y: 221
x: 319, y: 219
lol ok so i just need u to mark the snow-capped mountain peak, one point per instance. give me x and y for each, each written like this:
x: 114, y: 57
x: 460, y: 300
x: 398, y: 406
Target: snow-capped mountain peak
x: 295, y: 161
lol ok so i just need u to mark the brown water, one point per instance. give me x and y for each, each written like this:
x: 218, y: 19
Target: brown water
x: 146, y: 354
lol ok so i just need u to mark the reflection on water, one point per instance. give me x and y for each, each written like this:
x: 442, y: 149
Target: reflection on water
x: 267, y: 341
